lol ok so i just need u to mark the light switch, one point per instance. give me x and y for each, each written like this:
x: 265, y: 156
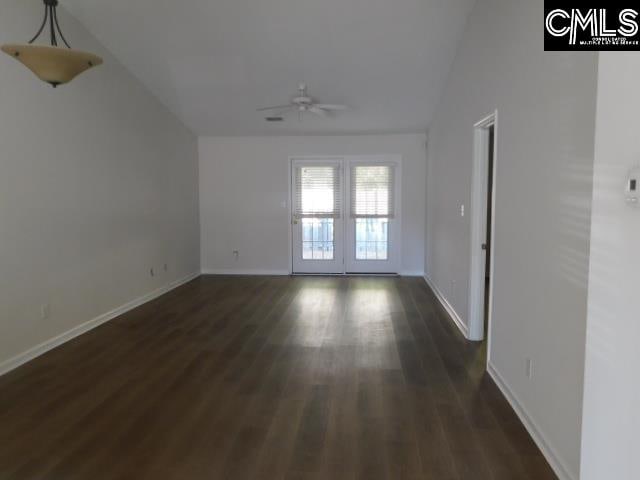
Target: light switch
x: 632, y: 188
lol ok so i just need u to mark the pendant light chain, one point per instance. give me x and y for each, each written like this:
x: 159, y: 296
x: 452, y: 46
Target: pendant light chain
x: 54, y: 42
x: 55, y: 18
x: 51, y: 16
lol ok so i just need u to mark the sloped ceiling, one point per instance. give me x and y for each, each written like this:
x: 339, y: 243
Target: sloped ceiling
x: 214, y: 62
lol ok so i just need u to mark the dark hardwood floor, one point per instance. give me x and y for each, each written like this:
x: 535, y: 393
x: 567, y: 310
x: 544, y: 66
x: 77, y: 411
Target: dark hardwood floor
x: 266, y: 378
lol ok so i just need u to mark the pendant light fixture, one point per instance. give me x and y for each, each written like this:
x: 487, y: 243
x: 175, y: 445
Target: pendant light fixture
x: 52, y: 64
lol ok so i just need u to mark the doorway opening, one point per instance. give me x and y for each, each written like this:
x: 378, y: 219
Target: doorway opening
x: 482, y: 227
x: 487, y: 271
x: 345, y: 217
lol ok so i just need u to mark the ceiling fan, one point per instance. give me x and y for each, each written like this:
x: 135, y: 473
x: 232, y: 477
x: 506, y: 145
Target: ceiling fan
x: 303, y: 103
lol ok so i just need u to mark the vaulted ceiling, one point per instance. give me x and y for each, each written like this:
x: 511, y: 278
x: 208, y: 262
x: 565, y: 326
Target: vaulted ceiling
x: 214, y: 62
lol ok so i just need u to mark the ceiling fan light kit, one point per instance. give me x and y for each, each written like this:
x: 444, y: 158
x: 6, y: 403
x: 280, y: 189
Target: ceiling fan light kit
x: 53, y: 64
x: 303, y: 103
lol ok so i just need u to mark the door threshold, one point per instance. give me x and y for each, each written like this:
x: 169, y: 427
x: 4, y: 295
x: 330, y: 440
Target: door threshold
x: 349, y: 274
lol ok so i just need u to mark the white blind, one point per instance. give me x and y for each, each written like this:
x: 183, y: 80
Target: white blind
x: 373, y: 191
x: 317, y: 191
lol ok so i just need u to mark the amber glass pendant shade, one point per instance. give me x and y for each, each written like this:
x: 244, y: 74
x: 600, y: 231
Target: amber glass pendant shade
x: 53, y: 64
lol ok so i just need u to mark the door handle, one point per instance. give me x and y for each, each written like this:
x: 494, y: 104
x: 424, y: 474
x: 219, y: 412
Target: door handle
x: 484, y: 247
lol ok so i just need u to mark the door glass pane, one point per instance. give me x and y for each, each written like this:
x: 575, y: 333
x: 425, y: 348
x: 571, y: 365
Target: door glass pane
x: 307, y: 232
x: 372, y: 239
x: 372, y: 190
x: 307, y: 250
x: 318, y: 248
x: 318, y: 239
x: 317, y: 191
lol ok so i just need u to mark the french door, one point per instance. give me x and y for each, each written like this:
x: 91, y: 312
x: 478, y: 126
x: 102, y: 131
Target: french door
x: 317, y: 216
x: 345, y: 215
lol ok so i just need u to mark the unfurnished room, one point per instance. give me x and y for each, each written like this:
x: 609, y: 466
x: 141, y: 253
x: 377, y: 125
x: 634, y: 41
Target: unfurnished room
x: 319, y: 240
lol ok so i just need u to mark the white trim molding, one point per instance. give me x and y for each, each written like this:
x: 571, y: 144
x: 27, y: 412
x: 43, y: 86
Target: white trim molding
x: 32, y: 353
x: 279, y: 273
x: 345, y: 242
x: 448, y: 307
x: 411, y: 273
x: 558, y: 466
x: 247, y: 271
x: 478, y: 208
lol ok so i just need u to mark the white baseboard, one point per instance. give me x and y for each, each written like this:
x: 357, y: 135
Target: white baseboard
x: 407, y: 273
x: 22, y: 358
x: 222, y: 271
x: 448, y: 307
x: 558, y: 466
x: 249, y: 271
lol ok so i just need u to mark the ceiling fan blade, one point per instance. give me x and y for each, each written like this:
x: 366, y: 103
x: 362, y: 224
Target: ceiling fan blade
x: 278, y: 107
x: 319, y: 111
x: 325, y: 106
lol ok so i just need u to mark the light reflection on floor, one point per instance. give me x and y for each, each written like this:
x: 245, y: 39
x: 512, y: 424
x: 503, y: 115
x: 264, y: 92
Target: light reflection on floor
x: 357, y: 319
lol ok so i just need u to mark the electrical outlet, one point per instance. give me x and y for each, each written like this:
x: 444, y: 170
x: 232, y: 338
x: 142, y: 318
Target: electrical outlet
x: 529, y: 368
x: 45, y: 311
x: 236, y: 253
x: 166, y: 267
x: 462, y: 210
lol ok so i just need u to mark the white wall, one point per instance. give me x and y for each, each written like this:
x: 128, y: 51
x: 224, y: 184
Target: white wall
x: 612, y: 384
x: 98, y: 183
x: 244, y: 185
x: 546, y: 104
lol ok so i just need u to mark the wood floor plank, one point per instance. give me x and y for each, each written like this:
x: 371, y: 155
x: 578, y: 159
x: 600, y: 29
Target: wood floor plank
x: 339, y: 378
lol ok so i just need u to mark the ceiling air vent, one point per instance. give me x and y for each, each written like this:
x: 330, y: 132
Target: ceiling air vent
x: 274, y: 119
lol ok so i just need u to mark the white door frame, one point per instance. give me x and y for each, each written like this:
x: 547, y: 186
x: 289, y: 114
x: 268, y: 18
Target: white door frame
x: 338, y: 263
x: 392, y: 265
x: 346, y: 159
x: 479, y: 199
